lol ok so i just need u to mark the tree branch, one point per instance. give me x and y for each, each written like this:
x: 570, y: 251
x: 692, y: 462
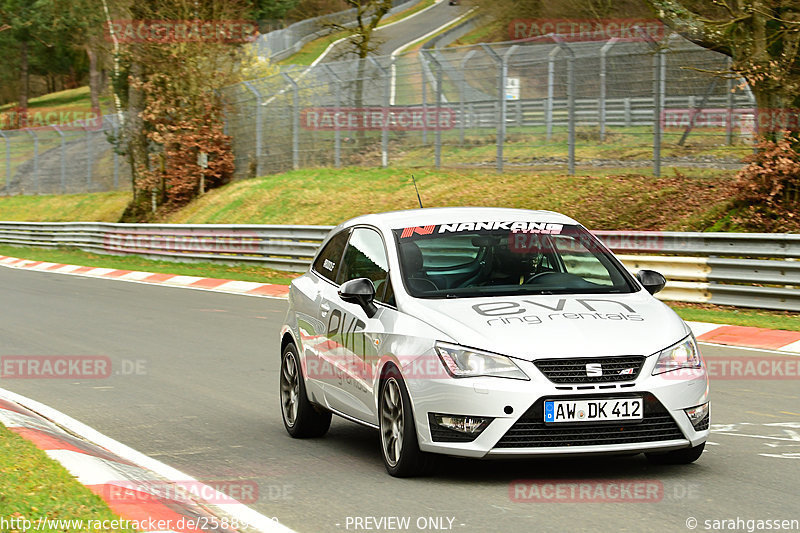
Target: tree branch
x: 692, y: 26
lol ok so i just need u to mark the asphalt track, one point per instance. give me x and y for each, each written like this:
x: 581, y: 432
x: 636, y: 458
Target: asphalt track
x: 387, y: 40
x: 204, y: 400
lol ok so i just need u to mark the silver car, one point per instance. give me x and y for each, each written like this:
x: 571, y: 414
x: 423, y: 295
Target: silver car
x: 487, y: 332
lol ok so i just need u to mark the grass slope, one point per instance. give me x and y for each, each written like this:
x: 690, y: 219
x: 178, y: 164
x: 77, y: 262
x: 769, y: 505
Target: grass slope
x: 605, y: 200
x: 94, y: 207
x: 33, y: 486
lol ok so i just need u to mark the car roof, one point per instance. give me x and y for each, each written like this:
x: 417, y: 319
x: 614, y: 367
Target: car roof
x: 450, y: 215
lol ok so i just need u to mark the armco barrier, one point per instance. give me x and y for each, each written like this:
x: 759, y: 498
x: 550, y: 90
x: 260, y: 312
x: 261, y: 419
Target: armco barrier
x: 757, y: 270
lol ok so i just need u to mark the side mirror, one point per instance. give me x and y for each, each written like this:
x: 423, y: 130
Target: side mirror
x: 651, y: 280
x: 359, y: 291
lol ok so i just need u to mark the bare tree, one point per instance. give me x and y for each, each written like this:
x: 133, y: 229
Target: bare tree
x: 761, y: 36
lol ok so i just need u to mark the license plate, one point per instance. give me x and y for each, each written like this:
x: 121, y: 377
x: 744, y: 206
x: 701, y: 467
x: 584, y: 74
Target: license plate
x: 557, y: 411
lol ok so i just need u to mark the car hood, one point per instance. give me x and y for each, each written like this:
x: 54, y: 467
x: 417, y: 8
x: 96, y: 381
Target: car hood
x: 542, y: 326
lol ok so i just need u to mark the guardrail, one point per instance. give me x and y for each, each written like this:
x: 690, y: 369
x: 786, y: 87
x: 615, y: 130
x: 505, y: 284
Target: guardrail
x: 756, y: 270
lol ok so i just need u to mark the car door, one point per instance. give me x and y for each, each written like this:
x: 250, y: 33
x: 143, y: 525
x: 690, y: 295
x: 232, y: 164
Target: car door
x: 312, y: 311
x: 353, y: 338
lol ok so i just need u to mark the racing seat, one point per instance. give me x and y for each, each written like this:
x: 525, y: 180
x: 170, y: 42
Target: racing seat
x: 411, y: 261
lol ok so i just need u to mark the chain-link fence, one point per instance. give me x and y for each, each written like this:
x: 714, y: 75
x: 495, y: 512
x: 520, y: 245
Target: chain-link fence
x: 64, y: 158
x: 544, y: 104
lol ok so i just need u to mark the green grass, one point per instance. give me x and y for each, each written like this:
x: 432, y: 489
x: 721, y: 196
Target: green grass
x: 601, y: 199
x: 757, y: 318
x: 71, y: 98
x: 34, y: 486
x: 71, y: 256
x: 94, y: 207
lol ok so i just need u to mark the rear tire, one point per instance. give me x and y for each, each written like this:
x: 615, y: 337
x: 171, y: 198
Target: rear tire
x: 677, y: 457
x: 301, y: 418
x: 398, y: 432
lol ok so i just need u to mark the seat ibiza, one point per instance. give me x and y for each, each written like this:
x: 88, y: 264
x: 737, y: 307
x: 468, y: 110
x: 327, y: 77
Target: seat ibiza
x: 488, y: 332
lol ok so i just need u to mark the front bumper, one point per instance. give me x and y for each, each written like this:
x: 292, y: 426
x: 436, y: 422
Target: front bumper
x: 523, y: 433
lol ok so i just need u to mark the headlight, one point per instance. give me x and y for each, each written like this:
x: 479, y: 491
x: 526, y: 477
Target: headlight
x: 463, y: 362
x: 681, y: 355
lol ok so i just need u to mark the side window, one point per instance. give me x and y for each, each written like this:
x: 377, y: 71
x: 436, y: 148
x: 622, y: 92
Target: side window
x: 365, y: 257
x: 578, y: 260
x: 327, y: 263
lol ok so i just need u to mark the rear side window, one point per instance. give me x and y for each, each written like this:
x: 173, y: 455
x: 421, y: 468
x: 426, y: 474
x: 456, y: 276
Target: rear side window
x: 329, y: 259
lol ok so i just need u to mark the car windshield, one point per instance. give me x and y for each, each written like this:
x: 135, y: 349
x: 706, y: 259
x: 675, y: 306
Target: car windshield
x: 474, y: 259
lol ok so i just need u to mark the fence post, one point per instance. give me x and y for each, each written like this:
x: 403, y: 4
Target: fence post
x: 551, y: 81
x: 88, y: 157
x: 438, y: 133
x: 501, y: 102
x: 603, y: 86
x: 259, y: 133
x: 462, y: 94
x: 63, y: 159
x: 35, y: 160
x: 8, y: 161
x: 423, y: 68
x: 115, y: 155
x: 295, y: 121
x: 658, y: 96
x: 570, y: 102
x: 729, y: 119
x: 337, y: 134
x: 657, y: 111
x: 387, y: 95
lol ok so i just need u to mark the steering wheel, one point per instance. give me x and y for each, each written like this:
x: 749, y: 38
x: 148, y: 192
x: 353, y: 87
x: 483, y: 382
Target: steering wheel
x: 538, y: 275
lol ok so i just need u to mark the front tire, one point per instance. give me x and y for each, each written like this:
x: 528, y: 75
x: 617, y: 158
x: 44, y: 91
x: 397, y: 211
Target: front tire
x: 301, y: 418
x: 399, y: 445
x: 677, y: 457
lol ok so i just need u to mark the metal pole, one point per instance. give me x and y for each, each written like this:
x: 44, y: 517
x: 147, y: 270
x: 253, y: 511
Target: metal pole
x: 337, y: 135
x: 730, y: 102
x: 657, y: 60
x: 570, y: 103
x: 438, y: 133
x: 35, y: 159
x: 259, y: 133
x: 603, y: 86
x: 387, y: 95
x: 658, y: 95
x: 551, y: 81
x: 501, y: 103
x: 423, y: 66
x: 295, y: 122
x: 8, y: 161
x: 88, y: 157
x: 115, y: 154
x: 462, y: 95
x: 63, y: 159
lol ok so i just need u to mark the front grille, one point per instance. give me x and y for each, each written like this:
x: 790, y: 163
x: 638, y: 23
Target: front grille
x: 614, y: 369
x: 530, y: 430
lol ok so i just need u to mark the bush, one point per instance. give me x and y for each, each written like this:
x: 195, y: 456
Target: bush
x: 767, y: 191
